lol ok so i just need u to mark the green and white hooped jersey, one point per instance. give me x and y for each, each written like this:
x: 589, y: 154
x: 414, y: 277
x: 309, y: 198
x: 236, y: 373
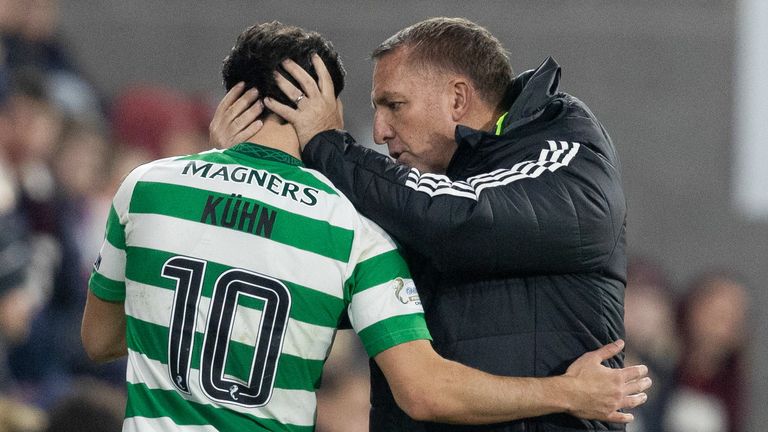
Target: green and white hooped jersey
x: 236, y: 267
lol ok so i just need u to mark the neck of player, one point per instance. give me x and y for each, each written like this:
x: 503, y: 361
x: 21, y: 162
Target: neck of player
x: 278, y: 135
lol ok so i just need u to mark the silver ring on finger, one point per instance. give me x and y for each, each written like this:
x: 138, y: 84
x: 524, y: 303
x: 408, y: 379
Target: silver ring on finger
x: 298, y: 99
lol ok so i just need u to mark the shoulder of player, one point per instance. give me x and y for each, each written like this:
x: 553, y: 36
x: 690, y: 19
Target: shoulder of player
x: 124, y: 192
x: 140, y: 171
x: 329, y: 186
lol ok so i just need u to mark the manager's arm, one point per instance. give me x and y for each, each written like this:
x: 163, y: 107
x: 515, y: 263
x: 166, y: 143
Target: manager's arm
x: 562, y: 221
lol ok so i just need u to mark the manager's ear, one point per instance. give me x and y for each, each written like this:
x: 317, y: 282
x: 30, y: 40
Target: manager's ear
x: 462, y: 95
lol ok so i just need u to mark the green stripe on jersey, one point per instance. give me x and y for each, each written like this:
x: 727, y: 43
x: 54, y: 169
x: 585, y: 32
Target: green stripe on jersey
x: 152, y: 341
x: 106, y: 288
x: 154, y: 403
x: 288, y: 172
x: 393, y: 331
x: 115, y: 232
x: 308, y: 305
x: 239, y: 361
x: 195, y: 205
x: 378, y: 270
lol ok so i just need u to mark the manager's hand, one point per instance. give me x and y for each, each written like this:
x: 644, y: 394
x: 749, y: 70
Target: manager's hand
x: 235, y: 118
x: 600, y: 392
x: 317, y: 107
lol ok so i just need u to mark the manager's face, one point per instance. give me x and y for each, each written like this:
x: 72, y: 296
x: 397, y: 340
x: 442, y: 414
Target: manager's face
x: 412, y: 113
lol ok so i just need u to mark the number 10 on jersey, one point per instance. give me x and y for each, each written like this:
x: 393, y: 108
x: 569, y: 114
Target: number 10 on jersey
x: 189, y: 274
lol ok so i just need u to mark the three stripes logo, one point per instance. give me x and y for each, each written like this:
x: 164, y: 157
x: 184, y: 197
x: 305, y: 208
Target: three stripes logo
x: 557, y: 155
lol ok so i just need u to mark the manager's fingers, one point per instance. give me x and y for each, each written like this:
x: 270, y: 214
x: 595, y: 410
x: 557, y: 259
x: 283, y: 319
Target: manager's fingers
x: 633, y: 373
x: 634, y: 400
x: 232, y: 95
x: 248, y: 132
x: 241, y: 105
x: 287, y: 88
x: 280, y: 109
x: 637, y: 386
x: 305, y: 80
x: 620, y: 417
x: 324, y: 80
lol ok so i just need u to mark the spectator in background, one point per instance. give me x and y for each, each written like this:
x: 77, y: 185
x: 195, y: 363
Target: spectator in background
x: 18, y: 301
x: 30, y: 34
x: 80, y: 174
x: 15, y: 305
x: 37, y: 125
x: 711, y: 373
x: 649, y: 322
x: 36, y: 130
x: 5, y: 71
x: 11, y: 17
x: 79, y: 171
x: 53, y: 172
x: 16, y: 416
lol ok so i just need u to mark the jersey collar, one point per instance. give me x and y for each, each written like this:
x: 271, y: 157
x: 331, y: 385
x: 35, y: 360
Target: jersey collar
x: 262, y: 152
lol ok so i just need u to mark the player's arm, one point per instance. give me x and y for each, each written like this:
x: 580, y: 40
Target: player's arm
x: 385, y: 311
x: 430, y: 388
x: 103, y: 329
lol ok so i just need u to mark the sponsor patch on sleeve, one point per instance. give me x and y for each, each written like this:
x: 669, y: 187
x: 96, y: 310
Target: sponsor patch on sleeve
x: 405, y: 291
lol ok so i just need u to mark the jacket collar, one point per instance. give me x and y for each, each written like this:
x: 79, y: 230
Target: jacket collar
x: 531, y: 92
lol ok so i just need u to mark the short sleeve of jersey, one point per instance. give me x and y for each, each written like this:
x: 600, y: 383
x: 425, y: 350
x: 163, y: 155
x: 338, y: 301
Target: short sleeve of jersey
x: 107, y: 280
x: 384, y: 309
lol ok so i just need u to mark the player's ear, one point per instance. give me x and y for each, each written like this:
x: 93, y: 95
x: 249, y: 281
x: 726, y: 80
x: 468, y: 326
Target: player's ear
x: 461, y: 93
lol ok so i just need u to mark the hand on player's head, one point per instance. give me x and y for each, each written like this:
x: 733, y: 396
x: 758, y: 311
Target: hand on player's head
x: 235, y: 119
x: 317, y: 108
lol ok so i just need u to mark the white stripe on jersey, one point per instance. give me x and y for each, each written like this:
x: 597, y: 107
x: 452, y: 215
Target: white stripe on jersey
x: 379, y: 303
x: 285, y: 406
x: 154, y: 305
x: 226, y: 246
x: 557, y: 156
x: 112, y: 262
x: 160, y: 424
x: 124, y: 193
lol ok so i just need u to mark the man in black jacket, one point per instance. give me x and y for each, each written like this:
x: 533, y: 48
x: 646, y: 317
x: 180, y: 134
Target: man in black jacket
x: 505, y: 196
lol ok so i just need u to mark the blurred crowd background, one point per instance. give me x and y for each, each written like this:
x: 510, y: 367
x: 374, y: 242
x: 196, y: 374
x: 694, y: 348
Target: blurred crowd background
x: 75, y: 119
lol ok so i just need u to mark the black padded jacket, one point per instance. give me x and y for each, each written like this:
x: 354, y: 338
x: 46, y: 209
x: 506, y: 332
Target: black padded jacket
x: 518, y: 251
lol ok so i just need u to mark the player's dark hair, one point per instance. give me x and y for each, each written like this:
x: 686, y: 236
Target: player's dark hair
x: 259, y: 50
x: 456, y: 45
